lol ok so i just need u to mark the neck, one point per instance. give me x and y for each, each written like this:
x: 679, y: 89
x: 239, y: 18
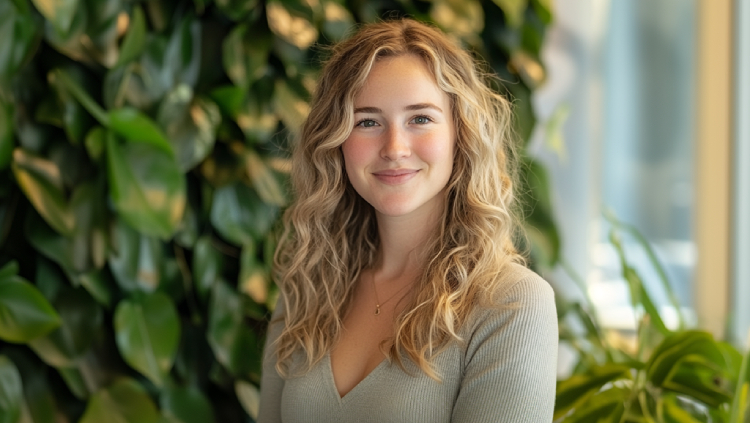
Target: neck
x: 403, y: 240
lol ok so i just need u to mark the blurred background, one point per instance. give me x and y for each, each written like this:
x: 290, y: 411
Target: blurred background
x: 655, y: 99
x: 143, y: 169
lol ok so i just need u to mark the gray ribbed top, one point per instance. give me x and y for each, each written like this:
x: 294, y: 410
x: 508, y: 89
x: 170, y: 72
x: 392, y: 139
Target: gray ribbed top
x: 504, y: 372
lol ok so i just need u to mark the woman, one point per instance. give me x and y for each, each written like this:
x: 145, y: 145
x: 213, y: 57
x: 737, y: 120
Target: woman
x: 403, y: 298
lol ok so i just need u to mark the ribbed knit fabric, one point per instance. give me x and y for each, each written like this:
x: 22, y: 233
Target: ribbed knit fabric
x: 504, y: 372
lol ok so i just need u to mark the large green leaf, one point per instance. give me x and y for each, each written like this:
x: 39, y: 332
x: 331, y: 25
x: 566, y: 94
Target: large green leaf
x: 245, y: 54
x: 89, y: 238
x: 292, y: 27
x: 82, y: 318
x: 128, y: 85
x: 338, y: 20
x: 232, y: 341
x: 267, y: 183
x: 543, y: 9
x: 70, y: 42
x: 146, y: 186
x: 104, y: 28
x: 38, y: 395
x: 147, y: 331
x: 186, y: 405
x: 59, y: 12
x: 165, y: 63
x: 11, y: 392
x: 672, y: 412
x: 124, y: 402
x: 136, y: 260
x: 82, y: 250
x: 254, y: 280
x: 668, y: 355
x: 24, y: 312
x: 135, y: 127
x: 177, y: 61
x: 19, y: 33
x: 576, y: 390
x: 288, y: 104
x: 48, y: 242
x: 700, y: 379
x: 249, y: 397
x: 75, y: 381
x: 42, y: 183
x: 9, y: 270
x: 135, y: 39
x: 464, y: 18
x: 208, y: 264
x: 605, y: 407
x: 513, y: 10
x: 229, y: 98
x: 190, y: 123
x: 189, y: 229
x: 257, y: 118
x: 239, y: 214
x: 99, y: 285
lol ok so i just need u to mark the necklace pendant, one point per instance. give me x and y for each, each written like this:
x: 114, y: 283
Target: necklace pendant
x: 377, y: 309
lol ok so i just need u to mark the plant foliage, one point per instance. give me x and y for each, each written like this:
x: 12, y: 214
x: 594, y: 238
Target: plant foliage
x: 143, y: 167
x: 669, y: 376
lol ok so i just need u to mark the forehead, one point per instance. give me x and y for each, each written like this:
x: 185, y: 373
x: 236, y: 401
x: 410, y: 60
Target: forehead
x: 404, y: 78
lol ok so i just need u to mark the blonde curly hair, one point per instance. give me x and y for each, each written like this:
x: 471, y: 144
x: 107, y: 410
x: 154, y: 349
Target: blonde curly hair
x: 330, y: 232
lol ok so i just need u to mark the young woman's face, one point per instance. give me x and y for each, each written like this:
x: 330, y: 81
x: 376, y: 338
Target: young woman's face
x: 399, y: 156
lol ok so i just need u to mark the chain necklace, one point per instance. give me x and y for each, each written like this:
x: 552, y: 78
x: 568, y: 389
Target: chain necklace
x: 377, y: 301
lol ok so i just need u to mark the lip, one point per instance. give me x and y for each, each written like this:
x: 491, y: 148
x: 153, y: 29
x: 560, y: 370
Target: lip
x: 395, y: 176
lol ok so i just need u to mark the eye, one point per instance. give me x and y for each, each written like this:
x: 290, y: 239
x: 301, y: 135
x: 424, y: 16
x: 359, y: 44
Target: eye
x: 421, y: 120
x: 366, y: 123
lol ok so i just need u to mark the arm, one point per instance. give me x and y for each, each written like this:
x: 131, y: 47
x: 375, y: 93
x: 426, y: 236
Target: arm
x: 271, y: 383
x: 511, y: 359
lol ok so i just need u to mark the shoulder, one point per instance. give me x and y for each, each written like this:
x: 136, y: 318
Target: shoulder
x: 523, y: 301
x: 509, y: 355
x: 520, y: 286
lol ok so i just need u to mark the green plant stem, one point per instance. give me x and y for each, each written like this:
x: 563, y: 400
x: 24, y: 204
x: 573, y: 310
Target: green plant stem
x: 612, y: 219
x: 578, y: 280
x: 86, y: 101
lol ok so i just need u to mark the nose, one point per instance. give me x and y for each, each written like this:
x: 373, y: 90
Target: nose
x: 396, y: 145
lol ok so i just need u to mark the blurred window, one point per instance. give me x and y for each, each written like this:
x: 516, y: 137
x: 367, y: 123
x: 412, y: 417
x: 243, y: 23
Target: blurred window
x: 625, y: 72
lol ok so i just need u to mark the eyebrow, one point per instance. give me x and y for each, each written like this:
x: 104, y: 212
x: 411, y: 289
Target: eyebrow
x: 418, y: 106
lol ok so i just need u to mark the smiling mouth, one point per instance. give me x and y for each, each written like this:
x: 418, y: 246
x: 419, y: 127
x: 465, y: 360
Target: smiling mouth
x: 395, y: 176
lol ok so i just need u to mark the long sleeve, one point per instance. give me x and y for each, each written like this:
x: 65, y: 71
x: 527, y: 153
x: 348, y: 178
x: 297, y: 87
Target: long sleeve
x: 272, y: 384
x: 511, y: 359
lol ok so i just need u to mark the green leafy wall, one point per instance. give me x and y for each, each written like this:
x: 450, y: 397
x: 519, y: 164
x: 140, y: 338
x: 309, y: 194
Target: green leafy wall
x: 143, y: 167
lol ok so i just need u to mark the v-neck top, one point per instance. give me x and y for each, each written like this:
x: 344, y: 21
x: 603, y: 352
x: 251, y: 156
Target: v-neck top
x: 504, y: 371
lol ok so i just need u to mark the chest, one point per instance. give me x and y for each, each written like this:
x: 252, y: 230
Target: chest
x: 367, y: 334
x: 387, y: 394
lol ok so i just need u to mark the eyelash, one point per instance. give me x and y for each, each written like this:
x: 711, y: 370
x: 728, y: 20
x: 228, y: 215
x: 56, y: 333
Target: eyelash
x: 423, y: 117
x: 361, y: 121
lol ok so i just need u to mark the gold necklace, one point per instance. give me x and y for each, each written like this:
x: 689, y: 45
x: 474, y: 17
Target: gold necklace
x: 377, y: 301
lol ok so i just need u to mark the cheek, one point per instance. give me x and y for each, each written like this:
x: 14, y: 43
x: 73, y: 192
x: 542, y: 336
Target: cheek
x: 356, y: 154
x: 437, y: 150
